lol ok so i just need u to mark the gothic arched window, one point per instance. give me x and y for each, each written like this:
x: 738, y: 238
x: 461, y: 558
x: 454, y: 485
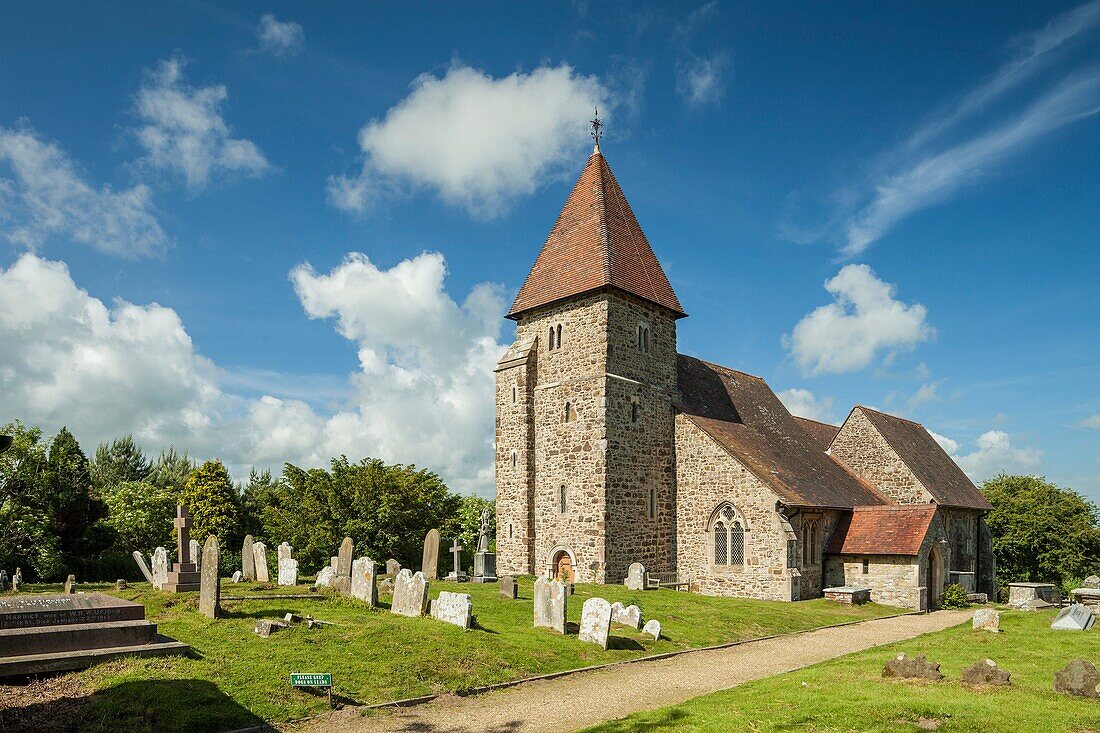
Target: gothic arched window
x: 727, y: 531
x: 642, y: 337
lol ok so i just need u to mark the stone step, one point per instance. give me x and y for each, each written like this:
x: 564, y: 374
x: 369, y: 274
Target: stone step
x: 60, y: 661
x: 70, y: 637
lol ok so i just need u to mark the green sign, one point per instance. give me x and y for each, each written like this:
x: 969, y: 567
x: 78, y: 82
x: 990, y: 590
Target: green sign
x: 310, y: 679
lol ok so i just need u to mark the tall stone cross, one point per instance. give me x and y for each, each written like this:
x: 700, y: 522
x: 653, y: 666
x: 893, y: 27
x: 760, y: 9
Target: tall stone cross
x: 183, y: 534
x: 456, y: 550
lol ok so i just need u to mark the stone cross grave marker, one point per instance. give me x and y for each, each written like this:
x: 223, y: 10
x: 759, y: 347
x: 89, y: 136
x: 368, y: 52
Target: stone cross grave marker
x: 364, y: 585
x: 182, y: 523
x: 456, y: 550
x: 140, y: 560
x: 184, y: 575
x: 551, y: 599
x: 160, y: 568
x: 596, y: 622
x: 259, y: 553
x: 248, y: 559
x: 210, y: 584
x: 288, y: 571
x: 343, y: 559
x: 430, y: 561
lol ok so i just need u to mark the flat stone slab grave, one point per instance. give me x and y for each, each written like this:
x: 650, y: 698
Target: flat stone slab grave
x: 50, y: 633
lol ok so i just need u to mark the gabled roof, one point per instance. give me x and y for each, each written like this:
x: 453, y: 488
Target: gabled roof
x: 595, y: 243
x: 821, y: 432
x: 941, y: 476
x: 882, y: 530
x: 742, y: 414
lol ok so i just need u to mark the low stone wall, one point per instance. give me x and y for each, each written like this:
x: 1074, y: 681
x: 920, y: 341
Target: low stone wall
x: 893, y: 579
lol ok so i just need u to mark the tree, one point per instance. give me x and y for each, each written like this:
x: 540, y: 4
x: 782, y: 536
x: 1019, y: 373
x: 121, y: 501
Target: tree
x: 74, y: 512
x: 25, y: 537
x: 213, y: 503
x: 1041, y: 533
x: 467, y: 523
x: 121, y: 460
x: 256, y: 495
x: 140, y: 513
x: 171, y: 470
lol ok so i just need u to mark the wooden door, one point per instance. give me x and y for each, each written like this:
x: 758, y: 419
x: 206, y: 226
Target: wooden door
x: 563, y: 567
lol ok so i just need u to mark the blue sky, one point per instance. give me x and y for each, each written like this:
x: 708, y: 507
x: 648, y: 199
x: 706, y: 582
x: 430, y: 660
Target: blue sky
x: 281, y: 231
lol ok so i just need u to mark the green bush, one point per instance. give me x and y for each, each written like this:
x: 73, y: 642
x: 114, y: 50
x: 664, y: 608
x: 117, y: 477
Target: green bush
x: 954, y: 596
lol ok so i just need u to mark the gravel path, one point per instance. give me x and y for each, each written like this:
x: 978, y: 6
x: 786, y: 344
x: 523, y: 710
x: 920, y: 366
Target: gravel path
x: 615, y: 692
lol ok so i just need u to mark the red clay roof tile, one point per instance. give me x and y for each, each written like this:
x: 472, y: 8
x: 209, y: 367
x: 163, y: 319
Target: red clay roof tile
x: 882, y: 530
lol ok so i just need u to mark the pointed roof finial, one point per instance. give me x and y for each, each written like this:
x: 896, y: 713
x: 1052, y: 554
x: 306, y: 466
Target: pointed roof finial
x: 597, y: 130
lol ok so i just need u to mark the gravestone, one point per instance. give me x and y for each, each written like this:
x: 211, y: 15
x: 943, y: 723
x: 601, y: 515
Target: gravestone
x: 410, y: 594
x: 627, y: 616
x: 259, y: 554
x: 392, y: 567
x: 343, y: 559
x: 184, y: 576
x: 196, y: 554
x: 509, y: 588
x: 987, y: 619
x: 1034, y: 604
x: 453, y: 608
x: 238, y: 576
x: 248, y: 559
x: 334, y: 563
x: 266, y: 627
x: 140, y: 560
x: 1079, y: 678
x: 285, y: 552
x: 160, y: 568
x: 430, y: 561
x: 341, y: 584
x: 288, y: 571
x: 3, y: 580
x: 1093, y: 581
x: 903, y: 667
x: 1020, y: 593
x: 985, y: 672
x: 121, y: 584
x: 17, y: 579
x: 1073, y: 618
x: 653, y: 628
x: 485, y: 562
x: 551, y: 599
x: 595, y: 622
x: 364, y: 584
x: 69, y: 583
x: 456, y: 575
x: 635, y: 576
x: 210, y: 582
x: 386, y: 587
x: 325, y: 577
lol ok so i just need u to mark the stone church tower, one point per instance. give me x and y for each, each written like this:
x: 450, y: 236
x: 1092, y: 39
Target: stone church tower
x: 585, y: 471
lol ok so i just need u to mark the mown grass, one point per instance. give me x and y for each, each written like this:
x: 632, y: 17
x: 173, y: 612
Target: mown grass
x: 849, y: 694
x: 235, y: 677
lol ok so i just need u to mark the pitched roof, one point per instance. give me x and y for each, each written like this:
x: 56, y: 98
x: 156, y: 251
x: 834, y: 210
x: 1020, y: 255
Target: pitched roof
x: 742, y: 414
x: 943, y: 478
x: 595, y: 243
x: 821, y: 432
x: 882, y: 530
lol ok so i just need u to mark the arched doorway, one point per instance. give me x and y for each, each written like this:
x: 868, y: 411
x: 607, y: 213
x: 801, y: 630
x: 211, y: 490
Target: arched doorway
x: 935, y: 576
x: 562, y: 566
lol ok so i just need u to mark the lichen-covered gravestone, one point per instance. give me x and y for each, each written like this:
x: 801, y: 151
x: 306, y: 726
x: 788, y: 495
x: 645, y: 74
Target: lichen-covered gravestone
x: 259, y: 554
x: 386, y: 587
x: 288, y: 571
x: 430, y: 560
x: 985, y: 672
x: 238, y: 576
x: 325, y: 577
x: 596, y: 622
x: 284, y: 551
x: 410, y: 594
x: 653, y: 628
x: 909, y: 668
x: 196, y: 554
x: 70, y: 582
x: 627, y: 616
x: 508, y: 587
x: 987, y: 619
x: 160, y: 568
x: 210, y: 586
x: 453, y: 608
x: 343, y: 559
x: 392, y: 567
x: 550, y: 604
x: 364, y: 585
x: 248, y: 559
x: 635, y: 576
x: 1079, y: 678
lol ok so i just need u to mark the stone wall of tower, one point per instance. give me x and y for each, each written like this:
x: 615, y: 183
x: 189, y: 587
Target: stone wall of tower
x: 863, y: 449
x: 515, y: 467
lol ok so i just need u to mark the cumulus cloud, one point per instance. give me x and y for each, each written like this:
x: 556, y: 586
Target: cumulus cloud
x: 279, y: 38
x: 804, y: 403
x: 44, y: 195
x: 864, y: 320
x: 702, y: 80
x: 1092, y: 421
x: 184, y: 132
x: 479, y: 141
x: 994, y: 453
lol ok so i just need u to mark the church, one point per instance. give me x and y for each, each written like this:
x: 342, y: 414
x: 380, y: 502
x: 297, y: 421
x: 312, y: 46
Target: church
x: 613, y: 448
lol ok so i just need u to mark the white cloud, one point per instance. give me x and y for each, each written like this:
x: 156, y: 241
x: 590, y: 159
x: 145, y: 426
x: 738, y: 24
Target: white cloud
x: 479, y: 141
x: 1092, y: 421
x: 44, y: 195
x: 804, y: 403
x: 864, y: 319
x: 994, y: 453
x: 927, y: 392
x: 280, y: 38
x: 702, y: 80
x: 184, y: 132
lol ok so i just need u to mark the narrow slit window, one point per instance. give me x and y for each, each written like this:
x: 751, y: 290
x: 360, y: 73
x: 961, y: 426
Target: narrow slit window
x: 634, y: 411
x: 652, y: 504
x: 866, y: 566
x: 509, y: 530
x: 515, y: 458
x: 515, y: 394
x: 561, y: 499
x: 557, y: 339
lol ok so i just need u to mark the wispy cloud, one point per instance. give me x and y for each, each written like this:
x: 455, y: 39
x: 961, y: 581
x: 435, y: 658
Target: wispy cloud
x: 279, y: 38
x: 700, y: 78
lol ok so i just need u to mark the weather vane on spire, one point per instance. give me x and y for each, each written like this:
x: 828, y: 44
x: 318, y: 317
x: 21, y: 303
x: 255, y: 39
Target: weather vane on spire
x: 597, y: 128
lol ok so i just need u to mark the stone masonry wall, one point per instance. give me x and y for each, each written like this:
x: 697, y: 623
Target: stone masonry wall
x: 707, y: 476
x: 867, y: 453
x: 515, y: 478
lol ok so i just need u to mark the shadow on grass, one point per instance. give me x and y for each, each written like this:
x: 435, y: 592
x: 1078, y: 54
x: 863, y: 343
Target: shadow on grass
x: 426, y: 727
x: 152, y: 706
x: 670, y: 719
x: 621, y: 642
x: 274, y: 614
x: 475, y: 624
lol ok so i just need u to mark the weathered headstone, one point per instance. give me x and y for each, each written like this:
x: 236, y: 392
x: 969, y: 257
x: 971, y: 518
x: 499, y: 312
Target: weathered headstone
x: 551, y: 599
x: 453, y: 608
x: 635, y: 576
x: 121, y: 584
x: 267, y: 627
x: 285, y: 551
x: 238, y: 576
x: 987, y: 619
x: 392, y: 567
x: 17, y: 579
x: 343, y: 559
x: 410, y: 594
x: 456, y: 575
x: 288, y: 571
x: 1079, y: 678
x: 653, y: 628
x: 430, y: 561
x: 259, y: 554
x: 906, y: 668
x: 196, y: 554
x: 140, y: 560
x: 248, y: 559
x: 508, y: 587
x: 1074, y: 618
x: 334, y: 563
x: 1093, y: 581
x: 160, y: 568
x: 69, y: 583
x: 210, y: 585
x: 386, y: 587
x: 364, y: 584
x: 325, y: 577
x: 596, y: 622
x: 627, y: 616
x: 985, y: 672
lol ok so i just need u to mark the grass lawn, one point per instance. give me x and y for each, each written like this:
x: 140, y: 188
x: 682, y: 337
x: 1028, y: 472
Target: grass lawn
x: 235, y: 678
x: 849, y: 693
